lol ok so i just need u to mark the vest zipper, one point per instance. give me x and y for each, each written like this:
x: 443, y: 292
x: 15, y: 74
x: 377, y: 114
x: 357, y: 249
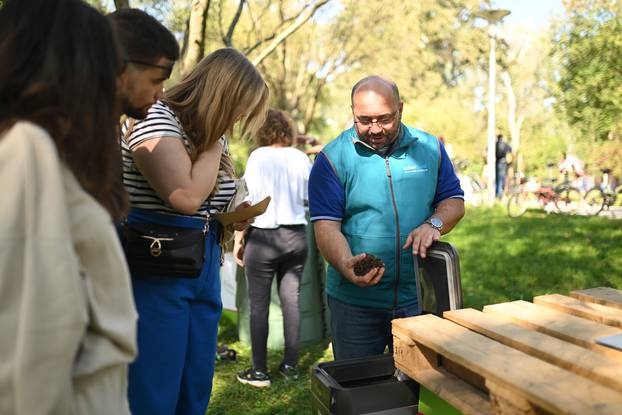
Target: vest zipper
x: 397, y: 237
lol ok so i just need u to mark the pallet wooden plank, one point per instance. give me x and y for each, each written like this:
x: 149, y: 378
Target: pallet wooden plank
x: 601, y: 295
x: 544, y: 385
x: 456, y: 392
x: 504, y: 402
x: 592, y: 311
x: 422, y: 364
x: 585, y: 362
x: 564, y: 326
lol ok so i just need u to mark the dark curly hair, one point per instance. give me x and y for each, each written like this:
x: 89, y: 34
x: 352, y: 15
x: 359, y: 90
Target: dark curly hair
x: 278, y: 128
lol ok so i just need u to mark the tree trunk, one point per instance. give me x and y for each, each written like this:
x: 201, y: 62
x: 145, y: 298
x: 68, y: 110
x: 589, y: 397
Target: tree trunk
x: 122, y: 4
x: 514, y: 123
x: 195, y: 45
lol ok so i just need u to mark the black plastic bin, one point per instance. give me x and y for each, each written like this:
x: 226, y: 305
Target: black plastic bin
x: 362, y: 386
x: 367, y: 385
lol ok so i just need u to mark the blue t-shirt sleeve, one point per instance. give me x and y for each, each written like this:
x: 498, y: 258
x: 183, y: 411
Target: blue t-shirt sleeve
x: 326, y: 193
x: 448, y: 184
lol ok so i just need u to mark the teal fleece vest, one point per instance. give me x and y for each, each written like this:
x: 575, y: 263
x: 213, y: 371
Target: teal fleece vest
x: 386, y: 198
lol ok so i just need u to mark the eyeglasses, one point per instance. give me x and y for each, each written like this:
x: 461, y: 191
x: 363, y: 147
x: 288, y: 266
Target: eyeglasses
x: 382, y: 122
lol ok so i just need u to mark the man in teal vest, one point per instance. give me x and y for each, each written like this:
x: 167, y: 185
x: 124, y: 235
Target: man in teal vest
x: 385, y: 189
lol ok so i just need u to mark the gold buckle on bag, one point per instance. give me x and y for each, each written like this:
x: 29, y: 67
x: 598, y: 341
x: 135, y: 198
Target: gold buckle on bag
x: 156, y: 246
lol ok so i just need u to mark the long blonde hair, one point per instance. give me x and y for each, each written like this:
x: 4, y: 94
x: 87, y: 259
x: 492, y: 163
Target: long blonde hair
x: 223, y: 88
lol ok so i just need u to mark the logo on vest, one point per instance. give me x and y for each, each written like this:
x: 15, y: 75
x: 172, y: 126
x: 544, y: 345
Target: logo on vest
x: 415, y: 169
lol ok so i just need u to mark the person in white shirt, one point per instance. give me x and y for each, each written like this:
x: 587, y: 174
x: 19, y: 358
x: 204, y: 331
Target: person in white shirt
x: 571, y: 164
x: 275, y: 243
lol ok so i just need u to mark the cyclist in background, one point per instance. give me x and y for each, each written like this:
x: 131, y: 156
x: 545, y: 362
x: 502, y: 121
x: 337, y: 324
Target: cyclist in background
x: 572, y: 164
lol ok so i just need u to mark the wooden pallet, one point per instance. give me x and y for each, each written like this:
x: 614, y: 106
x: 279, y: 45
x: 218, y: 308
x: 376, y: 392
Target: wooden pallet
x: 601, y: 295
x: 518, y: 357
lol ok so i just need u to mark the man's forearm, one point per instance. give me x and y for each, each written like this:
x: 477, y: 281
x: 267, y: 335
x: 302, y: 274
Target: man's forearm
x: 332, y: 244
x: 450, y: 211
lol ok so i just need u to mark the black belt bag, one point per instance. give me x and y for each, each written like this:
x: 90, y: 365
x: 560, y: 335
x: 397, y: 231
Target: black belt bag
x: 152, y: 249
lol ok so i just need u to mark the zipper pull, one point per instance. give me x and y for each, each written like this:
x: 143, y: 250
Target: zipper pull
x: 206, y: 227
x: 388, y: 168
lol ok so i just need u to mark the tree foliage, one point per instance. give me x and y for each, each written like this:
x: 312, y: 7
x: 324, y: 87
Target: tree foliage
x: 527, y: 81
x: 216, y: 23
x: 428, y: 48
x: 590, y: 84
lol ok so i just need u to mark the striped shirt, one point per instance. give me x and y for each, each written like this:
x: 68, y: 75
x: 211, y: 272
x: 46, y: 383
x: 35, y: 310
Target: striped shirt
x: 161, y: 121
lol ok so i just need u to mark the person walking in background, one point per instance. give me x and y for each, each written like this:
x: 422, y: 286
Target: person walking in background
x: 385, y: 189
x: 178, y: 173
x: 150, y: 51
x: 68, y: 319
x: 502, y: 149
x: 276, y: 242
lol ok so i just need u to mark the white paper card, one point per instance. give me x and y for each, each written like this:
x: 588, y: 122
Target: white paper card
x: 611, y: 341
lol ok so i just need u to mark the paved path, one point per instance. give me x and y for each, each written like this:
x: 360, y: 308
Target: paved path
x: 614, y: 212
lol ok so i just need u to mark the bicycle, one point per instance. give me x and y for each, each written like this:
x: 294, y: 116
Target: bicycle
x: 570, y: 198
x: 528, y: 194
x: 602, y: 197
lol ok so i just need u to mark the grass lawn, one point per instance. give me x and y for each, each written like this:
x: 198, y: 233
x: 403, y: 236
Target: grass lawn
x: 501, y: 259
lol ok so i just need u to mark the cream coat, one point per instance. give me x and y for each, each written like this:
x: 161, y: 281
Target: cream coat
x: 67, y: 316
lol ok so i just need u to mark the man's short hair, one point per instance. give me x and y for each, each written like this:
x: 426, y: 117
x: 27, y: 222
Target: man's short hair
x: 364, y: 83
x: 142, y: 37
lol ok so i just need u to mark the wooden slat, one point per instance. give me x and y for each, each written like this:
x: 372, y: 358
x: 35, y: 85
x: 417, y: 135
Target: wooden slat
x: 600, y: 295
x: 456, y: 392
x: 465, y: 374
x: 554, y: 323
x: 503, y: 402
x: 544, y: 385
x: 592, y: 311
x: 585, y: 362
x: 423, y: 365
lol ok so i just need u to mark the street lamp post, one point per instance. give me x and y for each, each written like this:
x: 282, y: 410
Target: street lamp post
x: 492, y: 17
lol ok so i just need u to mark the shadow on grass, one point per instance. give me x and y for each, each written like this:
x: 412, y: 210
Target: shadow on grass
x: 282, y: 397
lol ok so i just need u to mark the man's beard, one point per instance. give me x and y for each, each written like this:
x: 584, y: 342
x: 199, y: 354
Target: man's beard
x: 136, y: 113
x: 379, y: 141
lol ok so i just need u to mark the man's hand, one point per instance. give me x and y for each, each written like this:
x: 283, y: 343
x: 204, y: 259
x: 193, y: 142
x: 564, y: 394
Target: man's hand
x: 335, y: 249
x: 369, y: 279
x: 421, y: 238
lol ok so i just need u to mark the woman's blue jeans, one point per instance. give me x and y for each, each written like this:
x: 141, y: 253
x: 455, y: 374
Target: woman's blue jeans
x: 177, y: 328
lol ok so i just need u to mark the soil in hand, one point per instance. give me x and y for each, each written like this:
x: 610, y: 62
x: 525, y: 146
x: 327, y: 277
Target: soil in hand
x: 366, y: 264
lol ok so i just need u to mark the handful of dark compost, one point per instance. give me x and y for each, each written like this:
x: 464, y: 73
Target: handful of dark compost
x: 366, y: 264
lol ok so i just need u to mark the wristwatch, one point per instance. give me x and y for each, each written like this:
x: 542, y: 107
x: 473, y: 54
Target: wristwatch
x: 435, y: 222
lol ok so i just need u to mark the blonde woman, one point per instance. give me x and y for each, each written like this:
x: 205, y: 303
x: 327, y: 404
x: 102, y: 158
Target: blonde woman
x: 177, y: 173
